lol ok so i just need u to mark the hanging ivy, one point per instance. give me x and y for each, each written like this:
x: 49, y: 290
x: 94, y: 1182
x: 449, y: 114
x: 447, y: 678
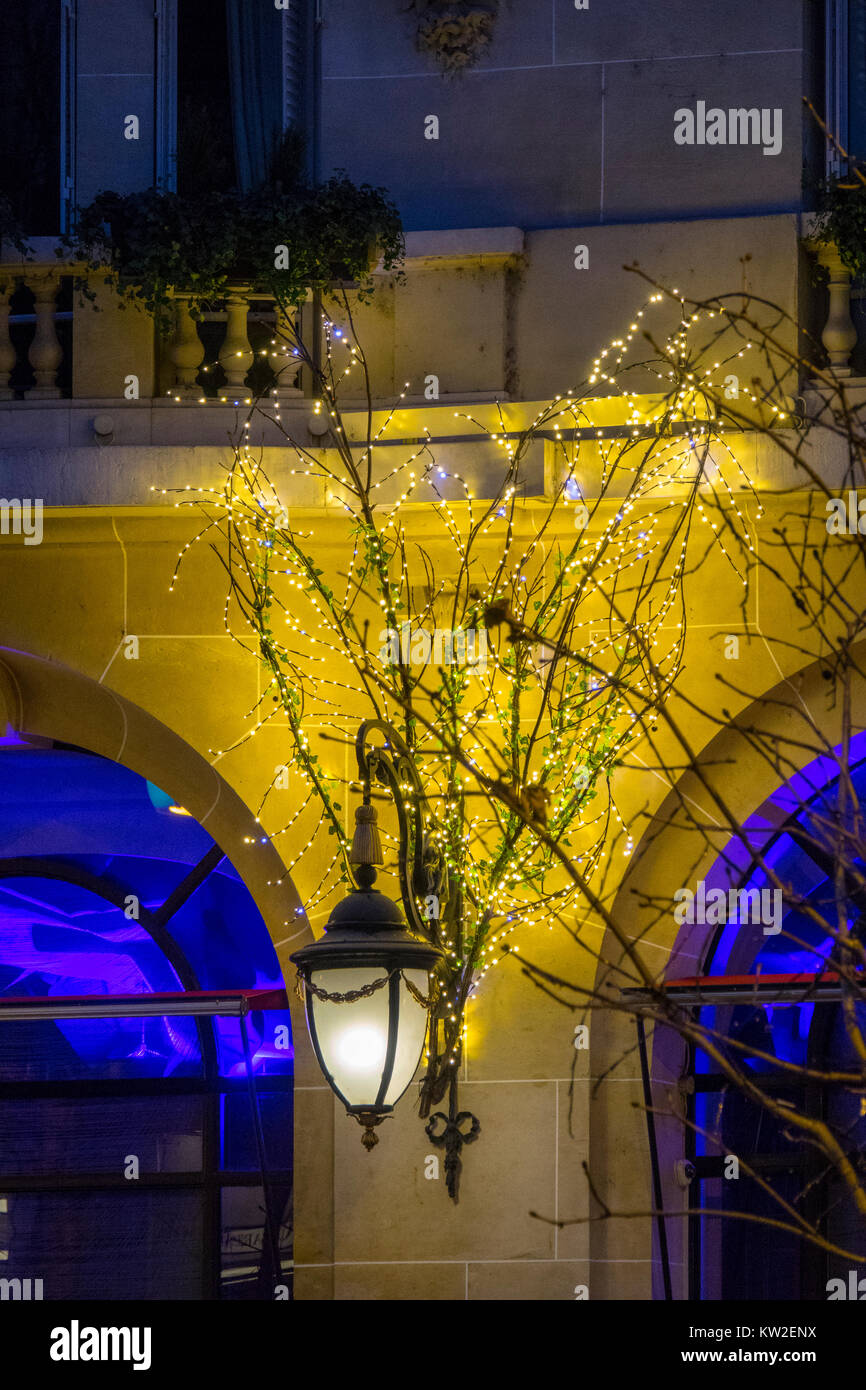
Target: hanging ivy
x: 280, y: 242
x: 842, y: 219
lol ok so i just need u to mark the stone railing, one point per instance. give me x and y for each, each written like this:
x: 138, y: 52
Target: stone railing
x: 35, y: 341
x: 242, y: 347
x: 254, y: 328
x: 839, y: 333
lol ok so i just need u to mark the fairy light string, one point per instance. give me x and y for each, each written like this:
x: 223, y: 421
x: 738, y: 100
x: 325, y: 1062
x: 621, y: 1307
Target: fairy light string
x: 551, y: 716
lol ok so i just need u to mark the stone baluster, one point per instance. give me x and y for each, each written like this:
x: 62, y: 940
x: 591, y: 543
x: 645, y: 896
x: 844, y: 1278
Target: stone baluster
x: 839, y: 335
x: 46, y: 353
x: 236, y: 354
x: 286, y: 366
x: 186, y: 351
x: 8, y: 356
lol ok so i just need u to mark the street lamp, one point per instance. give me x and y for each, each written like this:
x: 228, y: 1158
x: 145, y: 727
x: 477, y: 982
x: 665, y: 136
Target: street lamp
x: 368, y: 982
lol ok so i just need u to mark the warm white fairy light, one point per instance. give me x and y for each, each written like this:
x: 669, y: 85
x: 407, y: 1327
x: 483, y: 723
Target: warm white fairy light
x: 315, y: 651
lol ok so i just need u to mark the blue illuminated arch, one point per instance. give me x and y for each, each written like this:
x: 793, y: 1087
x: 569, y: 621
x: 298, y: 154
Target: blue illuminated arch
x: 108, y: 889
x: 725, y: 1255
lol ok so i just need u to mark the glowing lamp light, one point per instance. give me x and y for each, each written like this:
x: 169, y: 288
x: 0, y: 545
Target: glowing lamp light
x: 366, y: 983
x: 361, y: 1048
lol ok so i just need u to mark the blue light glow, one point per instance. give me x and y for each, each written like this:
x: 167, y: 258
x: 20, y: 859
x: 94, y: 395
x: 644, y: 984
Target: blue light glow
x: 60, y: 938
x: 800, y: 947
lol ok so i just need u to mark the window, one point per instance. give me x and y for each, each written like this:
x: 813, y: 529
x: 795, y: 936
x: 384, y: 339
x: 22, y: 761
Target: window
x: 728, y: 1256
x: 242, y: 79
x: 31, y: 57
x: 140, y: 1155
x: 845, y: 77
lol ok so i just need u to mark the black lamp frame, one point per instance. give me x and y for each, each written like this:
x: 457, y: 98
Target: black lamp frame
x: 361, y: 923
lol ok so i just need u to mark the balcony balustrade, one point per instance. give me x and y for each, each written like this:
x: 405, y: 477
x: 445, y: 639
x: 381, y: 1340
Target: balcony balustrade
x: 842, y: 341
x: 34, y: 333
x: 241, y: 347
x: 839, y: 334
x: 231, y: 351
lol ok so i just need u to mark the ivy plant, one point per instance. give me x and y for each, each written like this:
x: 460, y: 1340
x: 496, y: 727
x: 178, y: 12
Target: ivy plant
x: 842, y: 219
x: 280, y: 241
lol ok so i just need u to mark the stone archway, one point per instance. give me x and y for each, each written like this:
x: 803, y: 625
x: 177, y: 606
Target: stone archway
x: 43, y: 699
x: 667, y: 857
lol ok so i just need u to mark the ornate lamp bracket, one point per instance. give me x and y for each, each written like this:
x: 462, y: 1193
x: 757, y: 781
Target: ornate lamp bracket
x: 423, y: 875
x: 421, y: 864
x: 459, y: 1127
